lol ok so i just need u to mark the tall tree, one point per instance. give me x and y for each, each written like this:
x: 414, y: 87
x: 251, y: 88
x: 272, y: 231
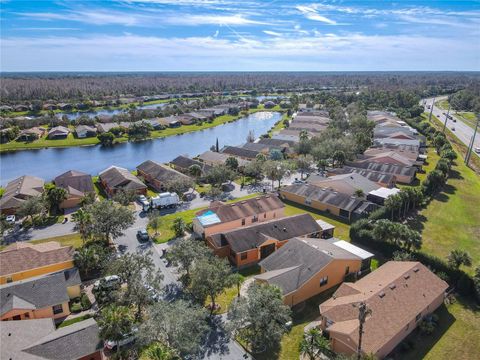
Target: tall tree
x: 260, y: 318
x: 179, y: 324
x: 31, y: 207
x: 304, y: 164
x: 54, y: 196
x: 210, y: 277
x: 185, y: 252
x: 109, y: 219
x: 83, y: 223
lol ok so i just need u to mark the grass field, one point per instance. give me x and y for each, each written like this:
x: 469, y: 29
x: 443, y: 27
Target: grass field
x: 74, y: 320
x: 469, y: 118
x: 70, y: 140
x: 66, y: 240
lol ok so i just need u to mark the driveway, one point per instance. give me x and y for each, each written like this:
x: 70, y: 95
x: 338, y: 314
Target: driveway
x: 38, y: 233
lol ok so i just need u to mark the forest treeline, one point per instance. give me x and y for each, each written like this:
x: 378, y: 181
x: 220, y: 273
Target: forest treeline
x: 16, y: 87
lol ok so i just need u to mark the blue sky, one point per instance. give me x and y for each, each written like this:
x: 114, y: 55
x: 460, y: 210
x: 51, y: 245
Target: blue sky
x: 249, y: 35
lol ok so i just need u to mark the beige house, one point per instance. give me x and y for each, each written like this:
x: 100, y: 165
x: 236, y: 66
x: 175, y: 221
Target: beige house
x: 219, y: 217
x: 41, y: 297
x: 305, y: 267
x: 399, y: 295
x: 77, y: 184
x: 18, y: 191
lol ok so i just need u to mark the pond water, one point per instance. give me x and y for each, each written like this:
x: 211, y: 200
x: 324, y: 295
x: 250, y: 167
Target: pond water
x: 49, y: 163
x: 110, y: 112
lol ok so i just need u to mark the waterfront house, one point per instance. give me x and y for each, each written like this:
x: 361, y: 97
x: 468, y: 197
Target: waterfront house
x: 77, y: 184
x: 58, y: 132
x: 31, y: 134
x: 248, y: 245
x: 24, y: 260
x: 305, y: 267
x: 240, y: 152
x: 348, y: 184
x: 84, y: 131
x: 399, y: 294
x: 216, y: 158
x: 18, y: 191
x: 182, y: 163
x: 158, y: 175
x: 220, y: 217
x: 116, y: 179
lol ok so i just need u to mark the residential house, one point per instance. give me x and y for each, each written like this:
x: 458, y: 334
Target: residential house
x: 18, y: 191
x: 330, y: 201
x: 349, y: 184
x: 220, y: 217
x: 305, y: 267
x: 58, y: 132
x: 248, y: 245
x: 105, y: 127
x: 403, y: 174
x: 380, y: 195
x: 154, y: 123
x: 116, y: 179
x: 240, y: 152
x: 182, y: 163
x: 41, y: 297
x: 382, y: 179
x: 65, y: 106
x: 158, y: 175
x: 199, y: 117
x: 40, y: 339
x: 186, y: 119
x: 216, y: 158
x: 399, y: 294
x: 24, y: 260
x: 77, y: 184
x: 313, y: 128
x: 21, y: 107
x: 170, y: 121
x: 84, y: 131
x: 31, y: 134
x: 287, y: 145
x: 390, y: 157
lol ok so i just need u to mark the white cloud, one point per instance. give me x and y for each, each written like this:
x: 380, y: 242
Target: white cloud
x: 311, y: 14
x: 323, y: 52
x: 194, y: 20
x: 272, y: 33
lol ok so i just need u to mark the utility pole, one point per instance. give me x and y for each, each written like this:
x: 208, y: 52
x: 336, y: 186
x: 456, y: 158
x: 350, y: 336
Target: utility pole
x: 470, y: 148
x: 431, y: 111
x: 446, y: 119
x: 363, y: 311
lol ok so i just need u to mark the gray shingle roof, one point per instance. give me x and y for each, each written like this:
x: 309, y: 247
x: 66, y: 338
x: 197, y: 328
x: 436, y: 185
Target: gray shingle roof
x: 344, y: 183
x: 120, y: 178
x: 38, y: 339
x: 239, y: 151
x: 159, y: 172
x: 326, y: 196
x: 184, y: 162
x: 393, y: 169
x: 250, y: 237
x: 17, y: 190
x: 303, y: 258
x: 75, y: 180
x: 39, y: 292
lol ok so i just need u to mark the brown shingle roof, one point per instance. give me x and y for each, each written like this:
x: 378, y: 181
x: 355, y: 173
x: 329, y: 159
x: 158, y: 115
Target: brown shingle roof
x: 18, y: 190
x: 396, y: 292
x: 120, y: 178
x: 244, y: 208
x: 22, y: 256
x: 159, y: 172
x: 75, y: 182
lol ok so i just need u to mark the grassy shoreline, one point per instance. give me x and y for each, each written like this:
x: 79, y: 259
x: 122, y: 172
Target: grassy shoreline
x: 71, y: 141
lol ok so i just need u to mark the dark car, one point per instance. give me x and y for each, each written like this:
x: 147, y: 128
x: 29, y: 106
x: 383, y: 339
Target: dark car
x: 142, y: 235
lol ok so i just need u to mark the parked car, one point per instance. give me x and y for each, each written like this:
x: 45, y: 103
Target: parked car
x: 142, y: 235
x: 154, y: 295
x: 10, y: 219
x: 108, y: 282
x: 453, y: 128
x: 142, y: 199
x: 127, y: 339
x: 477, y: 150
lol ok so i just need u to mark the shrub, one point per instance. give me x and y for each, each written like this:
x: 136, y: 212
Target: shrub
x: 85, y: 302
x: 76, y: 307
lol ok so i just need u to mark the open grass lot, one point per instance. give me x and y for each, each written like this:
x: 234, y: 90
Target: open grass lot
x: 457, y: 335
x: 442, y: 104
x: 71, y: 140
x: 342, y: 229
x: 468, y: 118
x: 66, y: 240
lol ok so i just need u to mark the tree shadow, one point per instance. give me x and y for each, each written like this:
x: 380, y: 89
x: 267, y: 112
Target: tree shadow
x: 416, y: 345
x: 217, y: 339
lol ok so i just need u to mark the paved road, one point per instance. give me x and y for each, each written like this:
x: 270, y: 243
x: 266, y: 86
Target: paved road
x: 40, y: 233
x: 462, y: 130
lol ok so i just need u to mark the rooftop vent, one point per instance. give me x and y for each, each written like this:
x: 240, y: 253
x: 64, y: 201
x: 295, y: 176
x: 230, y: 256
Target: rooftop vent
x: 416, y: 270
x: 243, y: 202
x: 381, y: 294
x: 406, y: 277
x: 284, y: 229
x: 392, y: 286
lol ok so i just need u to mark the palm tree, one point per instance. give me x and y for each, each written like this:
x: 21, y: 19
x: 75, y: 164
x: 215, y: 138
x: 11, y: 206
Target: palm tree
x: 457, y: 258
x: 179, y: 227
x: 303, y: 136
x: 339, y: 158
x: 83, y: 222
x: 237, y: 279
x: 313, y: 344
x: 393, y: 203
x: 115, y: 322
x: 359, y: 193
x: 195, y: 170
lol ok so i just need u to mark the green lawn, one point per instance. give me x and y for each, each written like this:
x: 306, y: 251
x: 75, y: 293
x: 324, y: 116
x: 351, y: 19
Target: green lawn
x: 73, y: 141
x: 442, y: 104
x: 66, y: 240
x: 74, y: 320
x: 469, y: 118
x: 279, y: 125
x: 342, y: 229
x: 456, y: 336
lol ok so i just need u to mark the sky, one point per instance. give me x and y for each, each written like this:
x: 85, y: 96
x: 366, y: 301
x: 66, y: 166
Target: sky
x: 241, y: 35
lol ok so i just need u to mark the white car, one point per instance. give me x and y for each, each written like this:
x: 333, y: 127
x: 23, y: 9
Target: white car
x: 111, y: 281
x: 10, y: 219
x: 127, y: 339
x: 477, y: 150
x: 142, y: 199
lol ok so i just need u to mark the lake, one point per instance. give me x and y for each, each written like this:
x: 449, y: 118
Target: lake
x: 49, y: 163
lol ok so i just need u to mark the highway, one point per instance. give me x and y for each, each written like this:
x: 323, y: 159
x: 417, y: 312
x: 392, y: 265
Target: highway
x: 462, y: 130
